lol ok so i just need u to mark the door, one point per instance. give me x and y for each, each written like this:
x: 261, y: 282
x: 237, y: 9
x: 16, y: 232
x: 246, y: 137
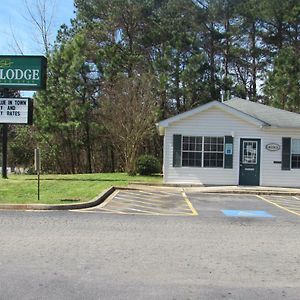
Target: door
x: 249, y: 161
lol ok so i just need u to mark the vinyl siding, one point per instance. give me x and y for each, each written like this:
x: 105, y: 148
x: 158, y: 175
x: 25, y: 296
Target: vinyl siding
x: 216, y: 122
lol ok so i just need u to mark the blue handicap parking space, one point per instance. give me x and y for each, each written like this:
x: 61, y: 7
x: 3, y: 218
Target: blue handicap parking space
x: 246, y: 213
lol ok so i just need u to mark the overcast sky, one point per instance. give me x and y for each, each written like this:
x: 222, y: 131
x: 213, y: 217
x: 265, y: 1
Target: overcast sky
x: 13, y: 23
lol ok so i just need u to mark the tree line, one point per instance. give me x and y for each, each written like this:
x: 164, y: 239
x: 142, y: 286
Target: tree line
x: 123, y: 65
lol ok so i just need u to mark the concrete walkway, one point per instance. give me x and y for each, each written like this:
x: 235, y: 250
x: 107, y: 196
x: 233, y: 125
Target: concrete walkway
x: 258, y: 190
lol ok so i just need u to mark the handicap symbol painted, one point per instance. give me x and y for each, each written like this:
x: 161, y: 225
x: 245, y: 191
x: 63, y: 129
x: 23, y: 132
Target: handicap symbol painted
x: 246, y: 213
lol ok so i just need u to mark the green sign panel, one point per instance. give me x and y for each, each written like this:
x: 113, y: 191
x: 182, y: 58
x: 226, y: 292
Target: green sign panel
x: 23, y: 72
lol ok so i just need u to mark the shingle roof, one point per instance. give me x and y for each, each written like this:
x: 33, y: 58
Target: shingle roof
x: 253, y: 112
x: 267, y: 114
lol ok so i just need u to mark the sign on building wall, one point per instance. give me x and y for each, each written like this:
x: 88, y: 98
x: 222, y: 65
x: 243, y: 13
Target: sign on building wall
x: 16, y: 110
x: 273, y: 147
x: 23, y: 72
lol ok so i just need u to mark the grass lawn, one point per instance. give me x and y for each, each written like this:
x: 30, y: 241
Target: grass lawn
x: 61, y: 189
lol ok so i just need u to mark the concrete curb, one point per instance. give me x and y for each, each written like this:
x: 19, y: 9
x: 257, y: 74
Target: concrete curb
x: 222, y: 190
x: 105, y: 194
x: 165, y: 184
x: 96, y: 201
x: 245, y: 192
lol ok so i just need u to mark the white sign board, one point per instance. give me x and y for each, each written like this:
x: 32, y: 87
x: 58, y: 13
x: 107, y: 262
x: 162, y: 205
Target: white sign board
x: 16, y: 111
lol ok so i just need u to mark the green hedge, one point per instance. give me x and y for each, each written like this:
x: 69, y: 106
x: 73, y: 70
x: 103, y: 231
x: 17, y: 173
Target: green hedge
x: 148, y: 165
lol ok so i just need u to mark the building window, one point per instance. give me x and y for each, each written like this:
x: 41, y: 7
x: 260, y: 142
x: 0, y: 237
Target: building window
x: 250, y: 152
x: 213, y: 152
x: 295, y: 154
x: 205, y: 151
x: 192, y: 151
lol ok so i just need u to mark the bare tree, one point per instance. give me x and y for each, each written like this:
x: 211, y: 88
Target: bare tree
x: 16, y: 44
x: 41, y: 15
x: 128, y: 113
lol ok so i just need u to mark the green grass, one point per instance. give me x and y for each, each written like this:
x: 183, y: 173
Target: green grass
x: 61, y: 189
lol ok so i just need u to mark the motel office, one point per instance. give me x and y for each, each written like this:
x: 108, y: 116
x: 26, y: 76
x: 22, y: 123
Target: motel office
x: 236, y: 142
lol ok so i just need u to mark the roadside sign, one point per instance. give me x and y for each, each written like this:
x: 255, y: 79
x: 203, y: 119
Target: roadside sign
x: 23, y: 72
x: 18, y: 72
x: 16, y: 110
x: 37, y: 160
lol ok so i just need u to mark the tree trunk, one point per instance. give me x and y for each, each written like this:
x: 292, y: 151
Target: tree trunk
x: 253, y: 91
x: 212, y: 65
x: 88, y: 148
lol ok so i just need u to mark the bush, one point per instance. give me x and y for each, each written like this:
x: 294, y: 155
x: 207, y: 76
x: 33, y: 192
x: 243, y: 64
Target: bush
x: 147, y: 165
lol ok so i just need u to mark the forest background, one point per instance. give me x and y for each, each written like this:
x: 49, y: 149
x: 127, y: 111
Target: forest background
x: 124, y: 65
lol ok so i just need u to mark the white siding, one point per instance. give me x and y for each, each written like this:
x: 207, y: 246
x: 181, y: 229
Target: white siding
x: 216, y: 122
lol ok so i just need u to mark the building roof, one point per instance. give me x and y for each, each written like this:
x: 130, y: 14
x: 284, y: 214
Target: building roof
x: 272, y: 116
x: 253, y: 112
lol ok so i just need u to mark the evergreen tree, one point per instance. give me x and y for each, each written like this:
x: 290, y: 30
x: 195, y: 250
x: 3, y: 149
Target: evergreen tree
x: 283, y: 85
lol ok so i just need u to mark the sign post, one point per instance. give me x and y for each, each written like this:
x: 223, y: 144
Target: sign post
x: 37, y: 167
x: 4, y: 143
x: 18, y: 72
x: 4, y: 150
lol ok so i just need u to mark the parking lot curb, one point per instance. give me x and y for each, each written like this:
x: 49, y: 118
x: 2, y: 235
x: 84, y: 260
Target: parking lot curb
x: 105, y: 194
x: 253, y: 192
x: 96, y: 201
x: 221, y: 190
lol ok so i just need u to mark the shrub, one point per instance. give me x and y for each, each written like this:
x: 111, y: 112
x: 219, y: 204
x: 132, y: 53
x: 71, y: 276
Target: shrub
x: 147, y: 165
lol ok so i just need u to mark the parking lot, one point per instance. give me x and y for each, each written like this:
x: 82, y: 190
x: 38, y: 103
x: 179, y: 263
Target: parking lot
x: 188, y: 202
x: 256, y: 207
x: 155, y: 244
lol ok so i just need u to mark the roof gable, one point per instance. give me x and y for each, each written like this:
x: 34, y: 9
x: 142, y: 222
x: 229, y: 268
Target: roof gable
x: 246, y: 117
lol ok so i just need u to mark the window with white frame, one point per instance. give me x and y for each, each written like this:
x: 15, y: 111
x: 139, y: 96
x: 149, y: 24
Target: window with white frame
x: 205, y: 151
x: 191, y: 151
x: 213, y: 152
x: 295, y: 153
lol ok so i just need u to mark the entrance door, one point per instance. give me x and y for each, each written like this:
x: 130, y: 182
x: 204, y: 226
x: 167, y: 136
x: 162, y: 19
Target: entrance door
x: 249, y: 161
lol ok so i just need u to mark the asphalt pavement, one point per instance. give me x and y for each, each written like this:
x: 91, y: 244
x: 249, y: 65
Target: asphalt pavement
x: 97, y: 254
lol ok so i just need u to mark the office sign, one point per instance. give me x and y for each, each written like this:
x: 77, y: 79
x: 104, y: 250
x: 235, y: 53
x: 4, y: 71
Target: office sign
x: 22, y: 72
x: 273, y: 147
x: 16, y: 110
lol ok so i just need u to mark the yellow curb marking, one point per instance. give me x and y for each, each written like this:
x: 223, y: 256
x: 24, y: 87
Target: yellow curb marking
x: 194, y: 212
x: 282, y: 207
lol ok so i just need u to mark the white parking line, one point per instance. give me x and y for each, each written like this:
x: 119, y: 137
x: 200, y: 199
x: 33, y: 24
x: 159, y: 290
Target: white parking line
x: 159, y: 192
x: 122, y: 196
x: 148, y: 196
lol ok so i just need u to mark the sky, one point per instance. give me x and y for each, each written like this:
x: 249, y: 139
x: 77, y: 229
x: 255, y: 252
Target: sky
x: 15, y: 24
